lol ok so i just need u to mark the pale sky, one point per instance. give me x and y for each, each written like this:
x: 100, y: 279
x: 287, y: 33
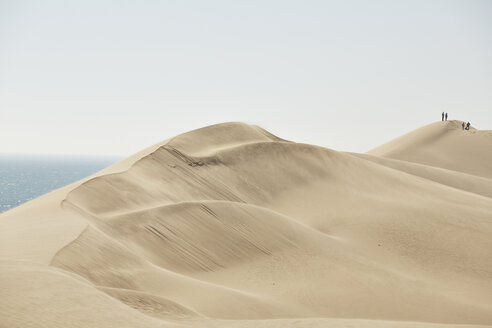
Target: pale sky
x: 113, y: 77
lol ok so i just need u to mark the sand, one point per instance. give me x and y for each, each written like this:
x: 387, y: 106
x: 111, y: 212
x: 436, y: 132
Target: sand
x: 231, y: 226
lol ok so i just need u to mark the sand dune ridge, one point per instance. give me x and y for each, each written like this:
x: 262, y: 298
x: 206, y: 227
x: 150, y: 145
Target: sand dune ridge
x: 232, y: 222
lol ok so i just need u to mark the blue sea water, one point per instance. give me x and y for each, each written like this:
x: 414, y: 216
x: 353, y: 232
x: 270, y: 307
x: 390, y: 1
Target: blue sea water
x: 25, y: 177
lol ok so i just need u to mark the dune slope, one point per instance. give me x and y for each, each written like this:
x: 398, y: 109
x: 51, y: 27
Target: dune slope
x: 229, y: 225
x: 445, y: 145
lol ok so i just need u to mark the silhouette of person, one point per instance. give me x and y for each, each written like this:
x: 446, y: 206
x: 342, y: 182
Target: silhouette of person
x: 462, y: 125
x: 442, y: 116
x: 446, y: 116
x: 468, y: 126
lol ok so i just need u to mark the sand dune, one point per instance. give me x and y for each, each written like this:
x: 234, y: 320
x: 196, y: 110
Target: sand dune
x: 445, y: 145
x: 463, y: 181
x: 230, y: 226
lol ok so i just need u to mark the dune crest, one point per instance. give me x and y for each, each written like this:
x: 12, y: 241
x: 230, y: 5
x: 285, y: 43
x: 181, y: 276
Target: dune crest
x: 446, y: 145
x: 229, y: 225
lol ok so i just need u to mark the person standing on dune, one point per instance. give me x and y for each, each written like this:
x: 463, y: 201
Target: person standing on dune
x: 442, y: 116
x: 446, y: 116
x: 462, y: 125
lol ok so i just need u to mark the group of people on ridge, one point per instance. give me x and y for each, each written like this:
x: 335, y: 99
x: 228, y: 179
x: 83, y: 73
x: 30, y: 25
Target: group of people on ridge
x: 444, y: 117
x: 467, y: 126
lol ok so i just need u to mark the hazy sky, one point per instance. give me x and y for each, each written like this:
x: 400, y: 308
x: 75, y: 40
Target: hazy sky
x: 113, y: 77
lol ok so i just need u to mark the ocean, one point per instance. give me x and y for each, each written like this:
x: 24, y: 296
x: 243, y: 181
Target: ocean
x: 25, y: 177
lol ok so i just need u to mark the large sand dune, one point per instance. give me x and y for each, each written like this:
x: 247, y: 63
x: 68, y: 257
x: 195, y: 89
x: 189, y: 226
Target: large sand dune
x: 445, y: 145
x: 230, y: 226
